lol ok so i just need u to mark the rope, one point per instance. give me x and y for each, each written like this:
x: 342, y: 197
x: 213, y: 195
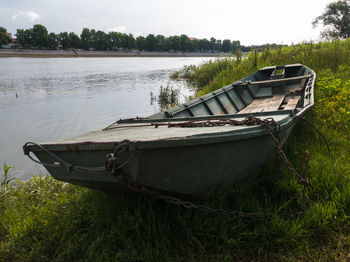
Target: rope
x: 59, y: 161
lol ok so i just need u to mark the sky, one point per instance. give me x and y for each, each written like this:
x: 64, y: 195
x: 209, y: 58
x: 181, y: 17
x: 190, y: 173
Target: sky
x: 252, y: 22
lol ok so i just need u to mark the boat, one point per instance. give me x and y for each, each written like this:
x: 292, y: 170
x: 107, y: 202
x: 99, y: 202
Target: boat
x: 202, y: 147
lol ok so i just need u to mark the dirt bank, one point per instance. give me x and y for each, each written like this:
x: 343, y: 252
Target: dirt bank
x: 83, y: 53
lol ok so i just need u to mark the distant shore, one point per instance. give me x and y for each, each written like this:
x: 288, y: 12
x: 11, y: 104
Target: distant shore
x: 84, y: 53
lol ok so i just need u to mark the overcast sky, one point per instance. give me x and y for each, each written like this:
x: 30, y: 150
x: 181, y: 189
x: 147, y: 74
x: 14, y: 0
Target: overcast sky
x: 250, y: 21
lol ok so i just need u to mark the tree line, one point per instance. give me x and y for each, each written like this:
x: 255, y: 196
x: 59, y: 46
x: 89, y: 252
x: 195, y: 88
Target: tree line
x: 91, y: 39
x: 335, y: 19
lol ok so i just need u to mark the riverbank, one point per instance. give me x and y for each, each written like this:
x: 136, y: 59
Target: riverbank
x: 84, y: 53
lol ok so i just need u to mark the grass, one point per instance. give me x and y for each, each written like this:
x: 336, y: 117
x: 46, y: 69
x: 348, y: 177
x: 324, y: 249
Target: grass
x: 223, y: 71
x: 6, y: 177
x: 47, y: 220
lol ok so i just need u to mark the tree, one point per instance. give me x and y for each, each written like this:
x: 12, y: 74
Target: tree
x: 112, y: 40
x: 115, y: 40
x: 213, y: 44
x: 52, y: 41
x: 100, y: 40
x: 4, y: 36
x: 336, y: 19
x: 74, y: 40
x: 186, y: 43
x: 123, y: 40
x: 24, y: 37
x: 174, y: 43
x: 130, y: 42
x: 141, y: 43
x: 39, y: 36
x: 161, y: 43
x: 204, y: 45
x: 226, y: 45
x: 64, y: 39
x: 151, y: 42
x: 219, y: 45
x: 235, y: 45
x: 85, y: 38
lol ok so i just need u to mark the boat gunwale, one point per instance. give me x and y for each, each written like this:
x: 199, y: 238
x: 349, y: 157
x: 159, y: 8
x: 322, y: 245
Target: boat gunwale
x: 205, y: 117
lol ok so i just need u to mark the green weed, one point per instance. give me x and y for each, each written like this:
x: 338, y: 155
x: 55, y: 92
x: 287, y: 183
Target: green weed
x: 6, y: 178
x: 167, y: 97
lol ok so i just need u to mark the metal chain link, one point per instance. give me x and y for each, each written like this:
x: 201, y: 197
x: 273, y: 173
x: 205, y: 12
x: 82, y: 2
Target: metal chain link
x: 248, y: 121
x: 186, y: 204
x: 279, y: 151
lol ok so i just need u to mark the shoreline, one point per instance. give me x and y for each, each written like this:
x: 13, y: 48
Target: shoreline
x: 84, y: 53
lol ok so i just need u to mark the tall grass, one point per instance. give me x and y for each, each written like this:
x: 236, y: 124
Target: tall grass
x: 167, y: 97
x: 215, y: 74
x: 6, y: 177
x: 46, y: 220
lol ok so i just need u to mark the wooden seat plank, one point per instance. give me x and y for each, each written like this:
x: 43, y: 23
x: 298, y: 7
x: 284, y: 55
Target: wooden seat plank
x: 275, y: 103
x: 292, y: 103
x: 266, y: 104
x: 252, y: 106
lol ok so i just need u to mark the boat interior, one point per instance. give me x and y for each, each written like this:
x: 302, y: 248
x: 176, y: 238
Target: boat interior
x: 274, y: 88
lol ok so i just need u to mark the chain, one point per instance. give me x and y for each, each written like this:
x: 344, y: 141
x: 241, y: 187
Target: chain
x: 117, y: 174
x: 186, y: 204
x: 273, y: 130
x: 282, y: 156
x: 248, y: 121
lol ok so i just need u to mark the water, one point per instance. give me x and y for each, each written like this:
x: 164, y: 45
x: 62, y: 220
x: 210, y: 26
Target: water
x: 47, y: 99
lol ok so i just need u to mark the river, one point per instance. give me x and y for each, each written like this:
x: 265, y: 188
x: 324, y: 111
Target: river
x: 47, y: 99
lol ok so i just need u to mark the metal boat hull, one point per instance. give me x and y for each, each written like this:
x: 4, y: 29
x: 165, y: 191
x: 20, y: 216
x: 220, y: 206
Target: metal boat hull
x: 187, y: 160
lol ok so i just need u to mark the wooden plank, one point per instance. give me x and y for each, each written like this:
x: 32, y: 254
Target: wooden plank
x: 256, y: 109
x: 275, y: 103
x: 255, y: 104
x: 259, y: 107
x: 278, y: 80
x: 266, y: 104
x: 292, y: 103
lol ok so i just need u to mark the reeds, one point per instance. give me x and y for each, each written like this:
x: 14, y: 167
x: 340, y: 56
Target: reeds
x: 167, y: 97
